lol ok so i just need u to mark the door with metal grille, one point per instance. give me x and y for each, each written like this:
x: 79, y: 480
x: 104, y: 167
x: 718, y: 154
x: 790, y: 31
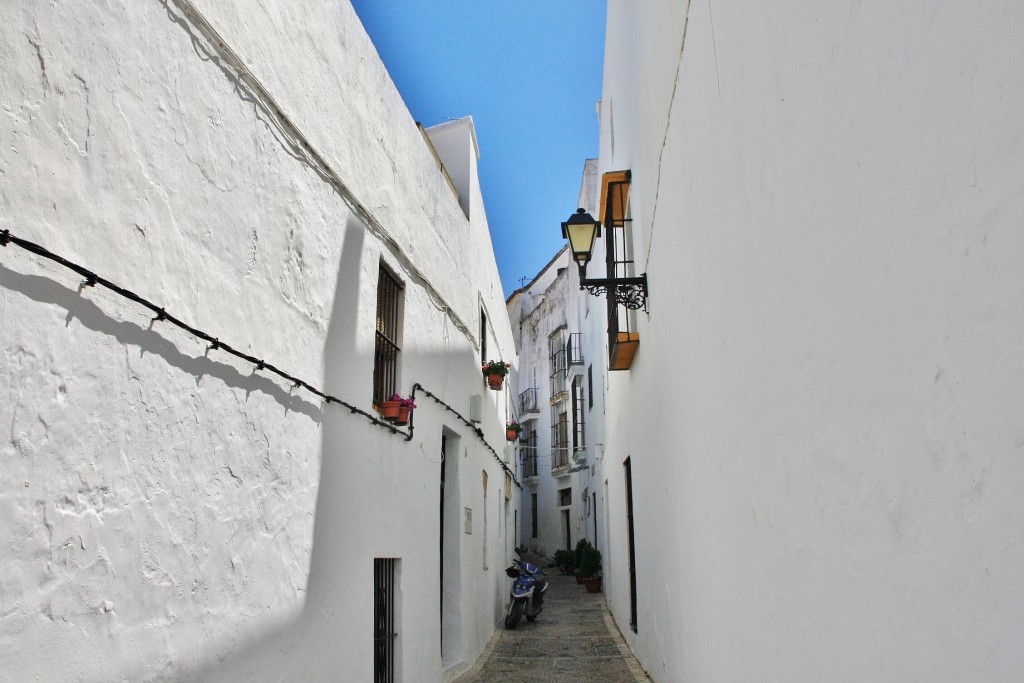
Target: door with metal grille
x: 384, y: 634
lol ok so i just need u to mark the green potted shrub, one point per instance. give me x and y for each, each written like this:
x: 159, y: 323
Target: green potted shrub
x: 564, y: 561
x: 581, y: 548
x: 590, y: 569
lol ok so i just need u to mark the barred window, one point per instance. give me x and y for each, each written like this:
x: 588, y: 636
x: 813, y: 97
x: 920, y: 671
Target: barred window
x: 386, y: 346
x: 579, y: 434
x: 590, y: 387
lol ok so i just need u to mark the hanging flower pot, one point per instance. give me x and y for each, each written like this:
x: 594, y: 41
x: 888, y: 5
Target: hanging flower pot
x: 389, y: 410
x: 495, y: 371
x: 512, y: 430
x: 404, y: 409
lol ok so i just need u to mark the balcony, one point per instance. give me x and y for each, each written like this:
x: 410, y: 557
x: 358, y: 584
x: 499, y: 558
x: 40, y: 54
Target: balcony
x: 528, y: 403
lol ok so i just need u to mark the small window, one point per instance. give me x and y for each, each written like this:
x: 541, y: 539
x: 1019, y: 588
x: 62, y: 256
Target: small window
x: 386, y: 345
x: 483, y: 337
x: 564, y: 497
x: 533, y: 515
x: 384, y: 623
x: 590, y: 387
x: 579, y: 434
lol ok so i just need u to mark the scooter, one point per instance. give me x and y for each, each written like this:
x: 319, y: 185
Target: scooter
x: 527, y: 592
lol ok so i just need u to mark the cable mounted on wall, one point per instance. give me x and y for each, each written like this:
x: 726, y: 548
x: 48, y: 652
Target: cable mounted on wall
x: 476, y: 430
x: 161, y: 315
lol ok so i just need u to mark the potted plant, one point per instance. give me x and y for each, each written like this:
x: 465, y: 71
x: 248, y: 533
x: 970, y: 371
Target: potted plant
x: 581, y: 549
x: 405, y: 406
x: 512, y: 429
x: 590, y: 569
x: 389, y: 409
x: 495, y: 371
x: 563, y: 560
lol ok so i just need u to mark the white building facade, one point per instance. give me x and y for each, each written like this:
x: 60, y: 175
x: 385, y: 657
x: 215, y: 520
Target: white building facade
x: 171, y: 509
x: 560, y: 384
x: 813, y: 461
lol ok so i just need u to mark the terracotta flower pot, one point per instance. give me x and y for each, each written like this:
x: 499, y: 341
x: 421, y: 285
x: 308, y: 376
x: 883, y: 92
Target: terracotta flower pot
x: 579, y: 577
x: 495, y: 381
x: 593, y: 584
x: 403, y: 415
x: 511, y: 434
x: 389, y: 410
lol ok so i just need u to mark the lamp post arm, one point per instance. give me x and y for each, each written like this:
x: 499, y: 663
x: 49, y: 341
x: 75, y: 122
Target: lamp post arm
x: 630, y: 292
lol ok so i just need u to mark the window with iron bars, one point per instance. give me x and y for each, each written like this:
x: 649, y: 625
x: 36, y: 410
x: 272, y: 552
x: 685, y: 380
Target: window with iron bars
x: 528, y: 450
x: 574, y: 349
x: 556, y: 349
x: 557, y: 377
x: 559, y: 438
x: 384, y: 625
x: 533, y: 515
x: 579, y: 433
x: 386, y: 345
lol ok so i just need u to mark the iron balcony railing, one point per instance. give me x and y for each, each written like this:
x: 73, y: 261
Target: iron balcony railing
x: 528, y: 402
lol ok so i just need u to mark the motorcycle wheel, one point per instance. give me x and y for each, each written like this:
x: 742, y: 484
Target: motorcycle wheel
x: 512, y: 620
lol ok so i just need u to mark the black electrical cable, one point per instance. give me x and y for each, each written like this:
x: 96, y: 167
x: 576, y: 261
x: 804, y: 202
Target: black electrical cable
x: 92, y: 279
x: 479, y: 432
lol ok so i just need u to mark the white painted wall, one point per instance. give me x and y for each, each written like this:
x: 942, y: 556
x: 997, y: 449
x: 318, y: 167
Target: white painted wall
x: 823, y: 416
x: 165, y: 511
x: 550, y: 301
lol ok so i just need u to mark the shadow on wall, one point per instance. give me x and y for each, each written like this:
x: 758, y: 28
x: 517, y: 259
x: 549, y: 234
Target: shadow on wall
x: 265, y: 643
x: 296, y: 649
x: 150, y: 340
x: 300, y: 641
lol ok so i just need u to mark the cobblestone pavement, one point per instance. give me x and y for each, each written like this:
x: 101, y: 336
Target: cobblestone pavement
x: 571, y: 641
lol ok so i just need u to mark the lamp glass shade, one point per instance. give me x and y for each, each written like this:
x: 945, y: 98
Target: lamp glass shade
x: 581, y: 230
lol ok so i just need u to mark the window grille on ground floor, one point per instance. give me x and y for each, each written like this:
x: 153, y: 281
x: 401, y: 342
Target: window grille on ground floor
x: 384, y: 634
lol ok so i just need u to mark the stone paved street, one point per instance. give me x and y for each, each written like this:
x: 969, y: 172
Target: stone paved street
x: 571, y: 641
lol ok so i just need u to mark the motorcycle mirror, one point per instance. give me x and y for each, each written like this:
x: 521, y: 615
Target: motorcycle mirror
x: 518, y: 550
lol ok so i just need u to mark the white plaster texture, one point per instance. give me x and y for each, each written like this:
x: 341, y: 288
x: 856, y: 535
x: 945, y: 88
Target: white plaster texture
x: 823, y: 415
x: 166, y: 511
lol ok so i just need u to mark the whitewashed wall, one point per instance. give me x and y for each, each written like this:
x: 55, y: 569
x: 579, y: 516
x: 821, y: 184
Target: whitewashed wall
x: 551, y: 300
x: 824, y: 413
x: 167, y: 513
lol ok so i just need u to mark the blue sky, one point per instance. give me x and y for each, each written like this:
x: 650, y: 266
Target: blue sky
x: 529, y: 73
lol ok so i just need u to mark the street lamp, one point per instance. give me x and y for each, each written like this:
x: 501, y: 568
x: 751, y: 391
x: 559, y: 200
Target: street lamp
x: 582, y: 231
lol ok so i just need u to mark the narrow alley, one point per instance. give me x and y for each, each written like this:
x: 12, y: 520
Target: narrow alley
x: 573, y: 640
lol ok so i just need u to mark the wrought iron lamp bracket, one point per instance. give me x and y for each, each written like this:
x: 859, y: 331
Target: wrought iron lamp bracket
x: 630, y: 292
